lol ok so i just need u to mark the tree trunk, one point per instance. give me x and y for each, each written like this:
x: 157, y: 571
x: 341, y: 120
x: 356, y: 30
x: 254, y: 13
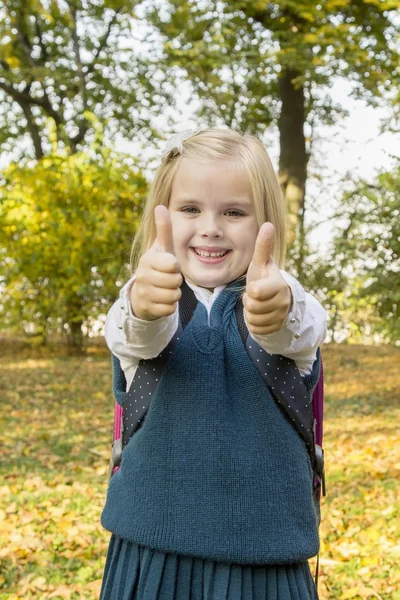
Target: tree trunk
x: 293, y: 155
x: 75, y: 337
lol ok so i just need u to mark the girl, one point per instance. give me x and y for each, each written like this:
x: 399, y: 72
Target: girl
x: 213, y: 499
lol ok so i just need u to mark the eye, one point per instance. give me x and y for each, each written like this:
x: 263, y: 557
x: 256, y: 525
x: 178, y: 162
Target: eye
x: 234, y: 213
x: 190, y: 209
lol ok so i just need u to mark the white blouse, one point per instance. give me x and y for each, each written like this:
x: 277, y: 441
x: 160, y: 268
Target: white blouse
x: 132, y: 339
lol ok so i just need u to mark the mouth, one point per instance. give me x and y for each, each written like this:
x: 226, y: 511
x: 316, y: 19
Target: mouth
x: 211, y: 255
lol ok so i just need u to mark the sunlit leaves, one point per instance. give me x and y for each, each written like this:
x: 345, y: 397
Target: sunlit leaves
x: 68, y: 223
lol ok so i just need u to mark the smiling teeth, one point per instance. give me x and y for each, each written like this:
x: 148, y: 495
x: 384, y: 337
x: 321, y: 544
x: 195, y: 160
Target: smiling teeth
x: 210, y: 254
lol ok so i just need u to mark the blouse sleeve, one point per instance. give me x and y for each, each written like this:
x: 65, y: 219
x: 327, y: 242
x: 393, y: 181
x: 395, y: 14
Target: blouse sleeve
x: 131, y: 339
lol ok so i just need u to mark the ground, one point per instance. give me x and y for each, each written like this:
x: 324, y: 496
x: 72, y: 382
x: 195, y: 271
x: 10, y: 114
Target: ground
x: 56, y: 429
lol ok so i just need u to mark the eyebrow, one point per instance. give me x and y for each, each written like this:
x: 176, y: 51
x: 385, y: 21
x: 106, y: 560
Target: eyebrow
x: 231, y: 202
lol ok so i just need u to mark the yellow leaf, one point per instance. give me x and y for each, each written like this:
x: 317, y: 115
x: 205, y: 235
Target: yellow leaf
x: 39, y: 582
x: 350, y: 593
x: 12, y: 62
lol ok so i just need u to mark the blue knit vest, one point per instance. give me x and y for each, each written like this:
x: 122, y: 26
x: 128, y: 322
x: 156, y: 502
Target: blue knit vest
x: 217, y: 471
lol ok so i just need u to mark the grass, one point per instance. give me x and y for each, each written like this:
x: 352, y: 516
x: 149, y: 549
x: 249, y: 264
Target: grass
x: 56, y: 428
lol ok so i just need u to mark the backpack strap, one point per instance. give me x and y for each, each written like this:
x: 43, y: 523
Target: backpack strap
x: 119, y: 389
x: 286, y: 387
x: 318, y: 411
x: 130, y: 407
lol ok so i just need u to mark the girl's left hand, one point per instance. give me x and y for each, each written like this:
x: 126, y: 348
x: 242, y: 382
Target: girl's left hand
x: 268, y: 298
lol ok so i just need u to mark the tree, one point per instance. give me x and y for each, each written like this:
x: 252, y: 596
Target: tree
x: 61, y: 61
x: 67, y: 228
x: 370, y: 243
x: 358, y: 280
x: 255, y: 63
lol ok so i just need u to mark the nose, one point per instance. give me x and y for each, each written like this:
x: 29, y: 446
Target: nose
x: 210, y: 227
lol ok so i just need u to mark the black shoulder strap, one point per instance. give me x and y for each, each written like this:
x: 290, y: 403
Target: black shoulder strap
x: 149, y: 372
x: 187, y: 304
x: 284, y: 382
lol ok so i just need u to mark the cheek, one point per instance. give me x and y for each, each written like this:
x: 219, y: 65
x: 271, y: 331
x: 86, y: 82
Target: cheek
x: 247, y: 256
x: 248, y: 248
x: 181, y: 234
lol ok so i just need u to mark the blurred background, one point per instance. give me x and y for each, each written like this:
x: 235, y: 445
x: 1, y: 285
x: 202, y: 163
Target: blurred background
x: 89, y: 92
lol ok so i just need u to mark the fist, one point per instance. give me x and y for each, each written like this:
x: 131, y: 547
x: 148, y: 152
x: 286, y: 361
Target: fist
x: 158, y: 277
x: 268, y: 297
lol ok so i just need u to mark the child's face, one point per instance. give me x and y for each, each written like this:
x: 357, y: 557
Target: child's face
x: 212, y: 211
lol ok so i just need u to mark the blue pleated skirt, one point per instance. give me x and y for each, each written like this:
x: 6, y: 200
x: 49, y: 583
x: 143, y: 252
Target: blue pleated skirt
x: 135, y: 572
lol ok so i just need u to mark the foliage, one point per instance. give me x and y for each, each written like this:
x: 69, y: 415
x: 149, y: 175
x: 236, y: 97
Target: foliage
x: 68, y: 223
x: 56, y: 428
x: 358, y: 281
x: 234, y: 53
x: 61, y: 60
x: 370, y: 245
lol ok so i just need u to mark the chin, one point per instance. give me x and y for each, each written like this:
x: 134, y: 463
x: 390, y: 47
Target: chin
x: 204, y: 282
x: 211, y: 283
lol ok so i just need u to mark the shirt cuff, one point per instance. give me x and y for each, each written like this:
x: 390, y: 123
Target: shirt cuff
x: 125, y: 301
x: 281, y: 342
x: 294, y: 319
x: 145, y: 338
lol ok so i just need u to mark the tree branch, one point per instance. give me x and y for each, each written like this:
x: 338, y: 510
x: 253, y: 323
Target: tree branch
x: 77, y: 50
x: 44, y: 58
x: 83, y: 128
x: 103, y: 42
x: 41, y: 44
x: 25, y: 45
x: 24, y: 98
x: 33, y: 130
x: 5, y: 65
x: 24, y: 41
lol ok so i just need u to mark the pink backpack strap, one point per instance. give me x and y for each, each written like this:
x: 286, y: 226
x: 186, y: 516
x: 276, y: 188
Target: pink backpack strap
x: 117, y: 421
x: 119, y: 387
x: 318, y: 406
x: 318, y: 409
x: 116, y: 448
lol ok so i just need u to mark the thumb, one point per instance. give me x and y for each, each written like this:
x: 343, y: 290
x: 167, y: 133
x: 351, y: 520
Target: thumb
x: 262, y: 252
x: 263, y: 246
x: 164, y: 238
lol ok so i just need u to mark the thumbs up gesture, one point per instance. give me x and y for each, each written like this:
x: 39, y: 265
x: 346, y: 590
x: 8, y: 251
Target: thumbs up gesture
x: 158, y: 277
x: 268, y: 297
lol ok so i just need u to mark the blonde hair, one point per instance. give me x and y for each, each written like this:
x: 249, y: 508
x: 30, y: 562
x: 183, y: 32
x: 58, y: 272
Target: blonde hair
x: 220, y: 144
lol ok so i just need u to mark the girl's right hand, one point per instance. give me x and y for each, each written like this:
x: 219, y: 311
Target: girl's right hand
x: 158, y: 277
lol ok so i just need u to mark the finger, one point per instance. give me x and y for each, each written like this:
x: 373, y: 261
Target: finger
x: 258, y: 307
x: 263, y: 246
x: 163, y: 310
x: 169, y: 281
x: 263, y: 289
x: 163, y: 223
x: 269, y: 319
x: 164, y: 296
x: 264, y: 330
